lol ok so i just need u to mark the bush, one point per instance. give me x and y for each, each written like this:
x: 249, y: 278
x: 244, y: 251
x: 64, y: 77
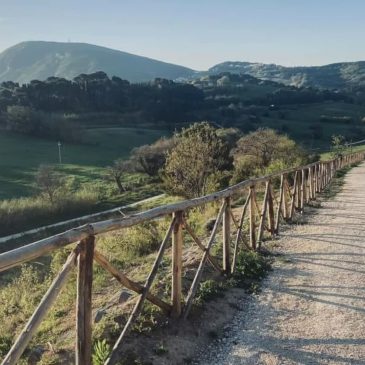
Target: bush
x: 198, y: 163
x: 264, y: 152
x: 208, y: 290
x: 250, y: 266
x: 23, y: 119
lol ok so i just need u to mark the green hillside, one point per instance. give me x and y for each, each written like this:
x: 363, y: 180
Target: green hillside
x: 38, y: 60
x: 21, y: 155
x: 332, y: 76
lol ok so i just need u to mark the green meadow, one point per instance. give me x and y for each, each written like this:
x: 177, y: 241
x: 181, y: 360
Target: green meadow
x: 21, y: 155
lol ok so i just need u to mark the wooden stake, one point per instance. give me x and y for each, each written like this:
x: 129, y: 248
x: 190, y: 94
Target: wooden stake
x: 83, y: 306
x: 279, y: 208
x: 302, y: 192
x: 270, y: 204
x: 35, y: 320
x: 139, y: 305
x: 227, y: 237
x: 294, y: 195
x: 263, y: 214
x: 252, y: 217
x: 177, y: 246
x: 199, y: 272
x: 239, y: 230
x: 199, y: 243
x: 128, y: 283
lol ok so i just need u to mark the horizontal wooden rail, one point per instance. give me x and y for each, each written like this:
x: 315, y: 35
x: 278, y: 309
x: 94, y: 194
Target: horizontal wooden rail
x: 298, y: 186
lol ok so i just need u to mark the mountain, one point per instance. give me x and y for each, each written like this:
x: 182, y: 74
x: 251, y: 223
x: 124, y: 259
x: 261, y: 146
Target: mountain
x: 39, y: 60
x: 333, y: 76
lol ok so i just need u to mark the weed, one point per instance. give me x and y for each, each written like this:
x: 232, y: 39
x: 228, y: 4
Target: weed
x: 251, y: 267
x: 161, y: 349
x: 101, y: 351
x: 208, y: 290
x: 5, y: 344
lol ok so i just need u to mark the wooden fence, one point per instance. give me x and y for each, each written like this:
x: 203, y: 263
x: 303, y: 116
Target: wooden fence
x: 297, y: 188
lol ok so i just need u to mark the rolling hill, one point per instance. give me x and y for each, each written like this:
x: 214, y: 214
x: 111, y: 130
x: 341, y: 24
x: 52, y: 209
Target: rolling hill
x: 37, y: 60
x: 333, y: 76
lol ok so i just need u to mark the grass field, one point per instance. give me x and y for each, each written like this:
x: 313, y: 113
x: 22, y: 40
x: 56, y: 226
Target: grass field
x: 21, y: 155
x: 298, y: 121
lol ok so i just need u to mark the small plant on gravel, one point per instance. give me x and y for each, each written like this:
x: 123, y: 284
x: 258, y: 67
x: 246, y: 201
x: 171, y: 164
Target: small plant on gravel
x: 251, y: 267
x: 161, y: 349
x: 148, y: 319
x: 208, y: 290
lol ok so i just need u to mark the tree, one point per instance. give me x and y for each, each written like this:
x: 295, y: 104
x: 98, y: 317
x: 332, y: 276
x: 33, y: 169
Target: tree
x: 48, y: 181
x: 265, y: 151
x: 151, y: 158
x: 338, y: 146
x: 198, y: 162
x: 23, y: 119
x: 117, y: 171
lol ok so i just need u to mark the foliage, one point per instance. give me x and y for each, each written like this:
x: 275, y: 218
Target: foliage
x: 208, y: 290
x: 251, y: 265
x: 151, y: 158
x: 101, y: 351
x: 161, y: 100
x: 49, y: 182
x: 265, y: 151
x: 338, y: 146
x: 117, y: 171
x: 133, y: 242
x: 19, y: 214
x: 161, y: 349
x: 5, y: 344
x: 198, y: 163
x: 25, y: 120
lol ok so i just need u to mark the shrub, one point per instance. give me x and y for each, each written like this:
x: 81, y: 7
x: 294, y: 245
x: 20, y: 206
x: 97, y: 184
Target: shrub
x: 208, y: 290
x: 251, y: 266
x: 265, y: 151
x: 198, y: 162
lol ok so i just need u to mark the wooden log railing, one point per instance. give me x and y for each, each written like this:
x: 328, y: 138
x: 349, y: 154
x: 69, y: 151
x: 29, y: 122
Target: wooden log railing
x: 296, y: 188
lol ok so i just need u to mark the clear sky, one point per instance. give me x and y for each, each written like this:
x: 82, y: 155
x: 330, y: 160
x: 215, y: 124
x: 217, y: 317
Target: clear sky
x: 197, y: 33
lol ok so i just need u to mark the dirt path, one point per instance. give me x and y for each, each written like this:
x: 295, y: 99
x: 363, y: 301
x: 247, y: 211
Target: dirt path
x: 312, y: 306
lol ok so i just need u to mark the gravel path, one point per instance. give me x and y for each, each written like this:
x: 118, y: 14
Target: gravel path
x: 311, y: 309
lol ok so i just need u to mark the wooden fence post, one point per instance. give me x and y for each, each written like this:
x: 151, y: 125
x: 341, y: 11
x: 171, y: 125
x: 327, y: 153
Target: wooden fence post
x: 302, y: 191
x: 310, y: 179
x: 281, y: 205
x: 227, y: 237
x: 293, y: 195
x: 260, y: 232
x: 83, y: 305
x: 252, y: 217
x: 270, y: 206
x: 177, y: 247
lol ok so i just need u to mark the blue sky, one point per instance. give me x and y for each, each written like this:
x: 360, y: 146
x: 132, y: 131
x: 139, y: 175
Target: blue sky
x: 197, y: 33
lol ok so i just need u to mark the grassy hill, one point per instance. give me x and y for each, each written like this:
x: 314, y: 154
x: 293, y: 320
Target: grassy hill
x: 28, y: 61
x: 21, y: 155
x: 39, y: 60
x: 332, y: 76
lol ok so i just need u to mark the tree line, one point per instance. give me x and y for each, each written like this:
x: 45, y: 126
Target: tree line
x: 43, y: 108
